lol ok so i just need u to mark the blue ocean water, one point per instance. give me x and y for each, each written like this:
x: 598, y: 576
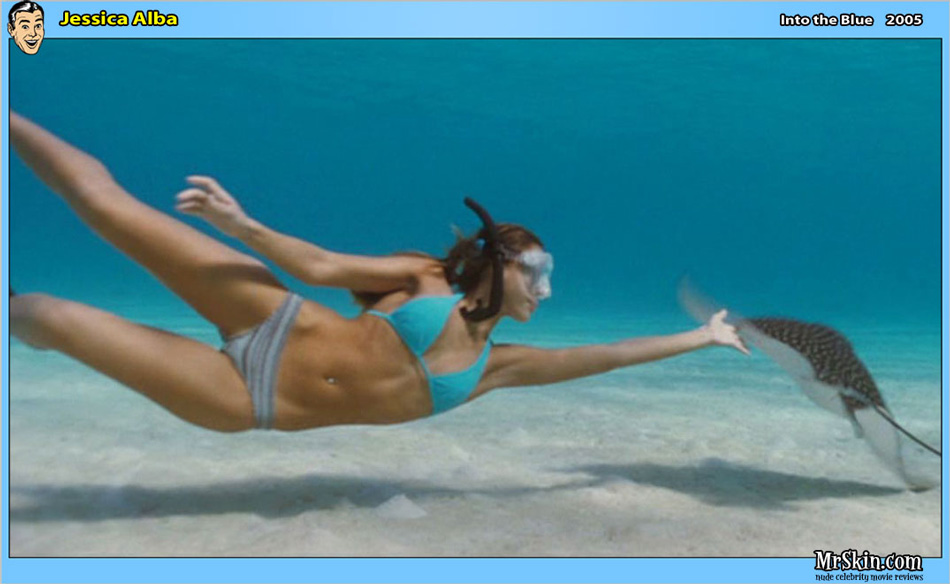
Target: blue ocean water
x: 786, y: 177
x: 795, y: 178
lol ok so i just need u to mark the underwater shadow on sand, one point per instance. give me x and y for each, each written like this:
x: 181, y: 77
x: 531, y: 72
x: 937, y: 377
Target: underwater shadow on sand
x: 724, y: 484
x: 266, y: 497
x: 713, y: 482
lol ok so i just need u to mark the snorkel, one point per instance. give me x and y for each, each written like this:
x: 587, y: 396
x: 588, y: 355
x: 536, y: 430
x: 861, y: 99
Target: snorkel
x: 493, y: 251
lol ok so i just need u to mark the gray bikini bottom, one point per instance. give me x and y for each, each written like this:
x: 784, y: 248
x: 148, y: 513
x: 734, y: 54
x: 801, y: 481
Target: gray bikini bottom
x: 256, y: 354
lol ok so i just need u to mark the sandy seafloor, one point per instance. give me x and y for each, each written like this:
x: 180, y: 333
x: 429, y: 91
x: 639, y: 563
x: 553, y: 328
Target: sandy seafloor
x: 710, y: 454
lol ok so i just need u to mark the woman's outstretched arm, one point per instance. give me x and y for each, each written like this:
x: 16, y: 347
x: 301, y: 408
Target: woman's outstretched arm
x: 305, y: 261
x: 517, y: 365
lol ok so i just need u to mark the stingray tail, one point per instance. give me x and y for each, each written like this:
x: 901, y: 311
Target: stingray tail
x: 884, y: 413
x: 881, y: 434
x: 887, y: 416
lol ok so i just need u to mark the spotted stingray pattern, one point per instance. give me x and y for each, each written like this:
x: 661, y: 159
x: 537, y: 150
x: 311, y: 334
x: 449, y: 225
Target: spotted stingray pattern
x: 830, y: 355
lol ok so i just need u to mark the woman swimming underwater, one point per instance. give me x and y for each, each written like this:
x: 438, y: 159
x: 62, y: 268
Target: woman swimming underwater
x: 419, y: 349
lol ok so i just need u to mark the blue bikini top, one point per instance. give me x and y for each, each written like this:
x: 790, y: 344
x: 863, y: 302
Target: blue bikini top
x: 419, y: 322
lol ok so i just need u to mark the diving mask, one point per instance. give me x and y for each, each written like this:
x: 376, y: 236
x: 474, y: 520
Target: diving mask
x: 537, y: 266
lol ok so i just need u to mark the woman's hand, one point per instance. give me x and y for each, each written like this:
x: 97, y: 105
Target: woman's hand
x: 724, y: 334
x: 208, y: 200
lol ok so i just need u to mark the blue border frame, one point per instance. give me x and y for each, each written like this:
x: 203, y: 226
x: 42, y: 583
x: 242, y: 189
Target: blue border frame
x: 471, y: 20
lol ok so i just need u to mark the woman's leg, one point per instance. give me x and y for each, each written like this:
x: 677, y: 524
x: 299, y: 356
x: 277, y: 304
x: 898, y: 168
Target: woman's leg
x: 190, y: 379
x: 231, y: 289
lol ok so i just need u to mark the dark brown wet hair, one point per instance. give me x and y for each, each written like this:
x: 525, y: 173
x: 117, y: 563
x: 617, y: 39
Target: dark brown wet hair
x: 464, y: 264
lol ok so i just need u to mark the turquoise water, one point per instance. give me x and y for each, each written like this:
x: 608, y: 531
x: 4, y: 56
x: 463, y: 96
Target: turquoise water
x: 787, y: 178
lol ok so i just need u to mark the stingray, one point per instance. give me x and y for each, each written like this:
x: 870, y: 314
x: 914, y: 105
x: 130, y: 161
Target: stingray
x: 823, y: 363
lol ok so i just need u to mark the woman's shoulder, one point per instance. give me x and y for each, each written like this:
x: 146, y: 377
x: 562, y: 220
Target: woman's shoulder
x: 431, y: 268
x: 426, y: 285
x: 426, y: 271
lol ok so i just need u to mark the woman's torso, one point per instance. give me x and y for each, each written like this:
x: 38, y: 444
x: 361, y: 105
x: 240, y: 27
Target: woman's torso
x: 336, y: 370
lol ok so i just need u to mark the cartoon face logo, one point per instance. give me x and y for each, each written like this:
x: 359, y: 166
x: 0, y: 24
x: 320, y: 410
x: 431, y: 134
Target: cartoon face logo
x: 26, y: 26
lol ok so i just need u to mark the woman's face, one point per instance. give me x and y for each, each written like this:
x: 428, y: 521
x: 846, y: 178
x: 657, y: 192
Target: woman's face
x: 527, y: 282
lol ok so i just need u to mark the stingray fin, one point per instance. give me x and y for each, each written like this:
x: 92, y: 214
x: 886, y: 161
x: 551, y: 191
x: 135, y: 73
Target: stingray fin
x: 699, y: 306
x: 856, y: 426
